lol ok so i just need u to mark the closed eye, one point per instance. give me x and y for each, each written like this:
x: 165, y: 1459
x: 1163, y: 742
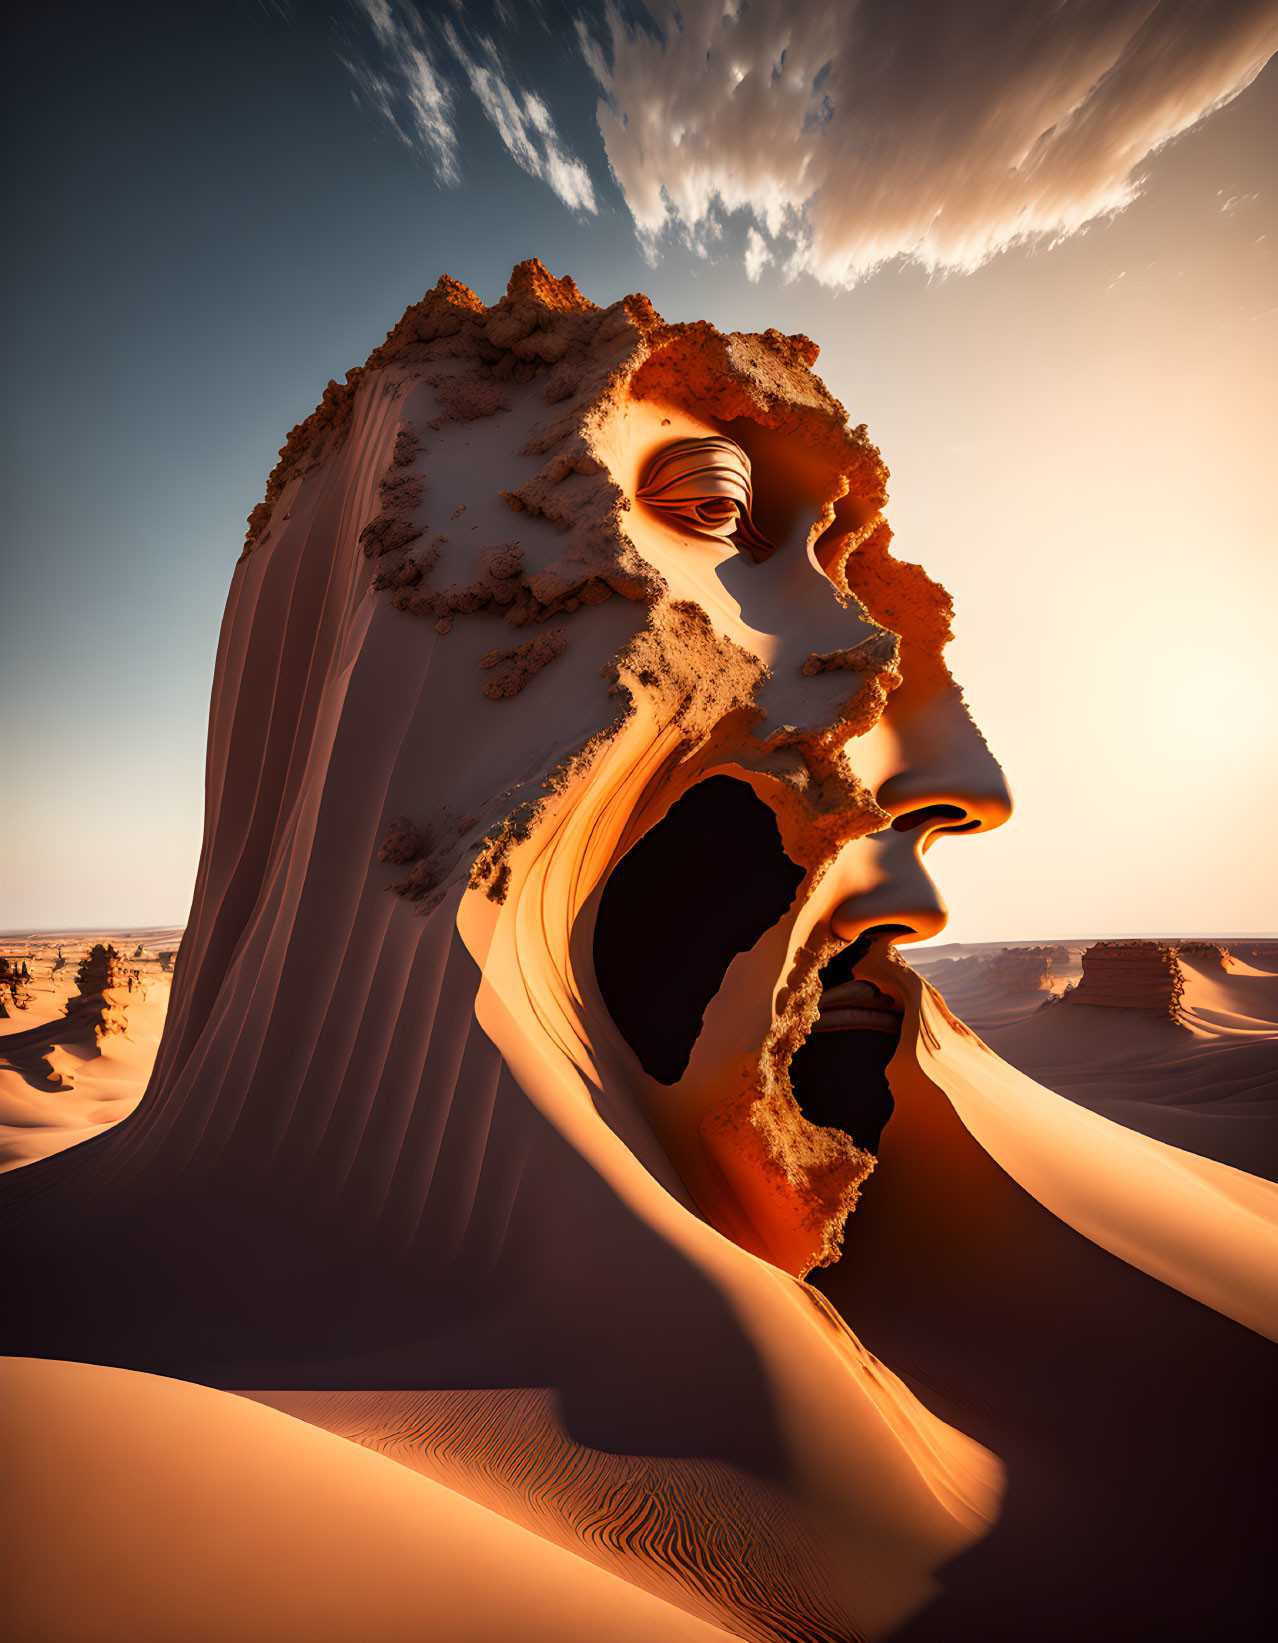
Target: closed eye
x: 703, y: 486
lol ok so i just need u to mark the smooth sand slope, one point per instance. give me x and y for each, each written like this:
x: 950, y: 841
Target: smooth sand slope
x: 1137, y: 1426
x: 1206, y: 1081
x: 192, y: 1516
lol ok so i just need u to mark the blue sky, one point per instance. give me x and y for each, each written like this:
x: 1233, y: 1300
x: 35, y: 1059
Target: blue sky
x: 211, y: 220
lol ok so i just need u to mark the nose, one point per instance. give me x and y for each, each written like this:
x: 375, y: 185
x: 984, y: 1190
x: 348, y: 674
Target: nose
x: 942, y: 778
x: 942, y: 767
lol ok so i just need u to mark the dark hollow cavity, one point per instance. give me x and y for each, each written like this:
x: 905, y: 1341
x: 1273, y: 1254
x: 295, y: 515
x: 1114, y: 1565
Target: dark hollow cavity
x: 839, y: 1079
x: 708, y: 880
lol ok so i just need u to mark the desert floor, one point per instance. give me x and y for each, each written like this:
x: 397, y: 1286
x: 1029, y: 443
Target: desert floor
x: 60, y: 1080
x: 335, y: 1512
x: 1208, y: 1082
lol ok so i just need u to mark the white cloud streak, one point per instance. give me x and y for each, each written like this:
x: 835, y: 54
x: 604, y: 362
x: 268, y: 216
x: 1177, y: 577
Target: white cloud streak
x: 859, y: 133
x: 406, y: 89
x: 523, y: 122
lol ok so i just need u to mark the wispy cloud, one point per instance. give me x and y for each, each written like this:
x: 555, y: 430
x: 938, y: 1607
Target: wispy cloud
x: 848, y: 133
x: 403, y: 87
x: 855, y: 134
x: 522, y: 121
x: 410, y: 69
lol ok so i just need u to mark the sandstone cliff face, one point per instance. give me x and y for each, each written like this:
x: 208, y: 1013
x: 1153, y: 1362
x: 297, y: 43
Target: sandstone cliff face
x: 1027, y: 969
x: 461, y: 665
x: 1131, y: 975
x: 508, y: 569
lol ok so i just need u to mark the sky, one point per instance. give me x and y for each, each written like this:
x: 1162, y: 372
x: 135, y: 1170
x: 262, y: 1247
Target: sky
x: 1036, y: 244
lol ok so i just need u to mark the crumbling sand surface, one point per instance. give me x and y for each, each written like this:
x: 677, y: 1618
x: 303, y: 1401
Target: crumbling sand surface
x: 394, y: 1146
x: 70, y: 1066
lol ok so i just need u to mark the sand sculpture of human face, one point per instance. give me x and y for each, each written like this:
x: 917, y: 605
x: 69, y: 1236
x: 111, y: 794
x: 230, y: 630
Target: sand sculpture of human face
x: 863, y: 751
x: 730, y: 864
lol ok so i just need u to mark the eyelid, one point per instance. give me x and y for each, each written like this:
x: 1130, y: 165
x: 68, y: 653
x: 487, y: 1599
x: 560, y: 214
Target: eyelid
x: 704, y: 485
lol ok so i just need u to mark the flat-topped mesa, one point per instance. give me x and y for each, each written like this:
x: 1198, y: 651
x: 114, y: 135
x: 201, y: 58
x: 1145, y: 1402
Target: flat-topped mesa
x: 1131, y: 975
x: 1027, y: 969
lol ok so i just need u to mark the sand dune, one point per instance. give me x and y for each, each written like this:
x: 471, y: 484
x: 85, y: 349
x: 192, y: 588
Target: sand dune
x: 192, y: 1515
x: 1206, y: 1080
x: 703, y: 1537
x: 654, y: 1348
x: 1134, y: 1423
x: 71, y: 1068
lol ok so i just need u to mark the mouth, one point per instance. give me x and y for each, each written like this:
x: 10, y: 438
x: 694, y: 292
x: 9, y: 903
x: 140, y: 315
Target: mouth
x: 857, y: 1004
x: 702, y: 886
x: 669, y: 923
x: 838, y: 1075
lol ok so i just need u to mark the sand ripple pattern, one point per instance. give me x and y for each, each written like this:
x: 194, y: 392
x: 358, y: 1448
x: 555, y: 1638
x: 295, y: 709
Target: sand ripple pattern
x: 699, y: 1534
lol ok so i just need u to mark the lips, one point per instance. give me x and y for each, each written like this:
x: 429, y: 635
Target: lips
x: 858, y: 1004
x: 838, y: 1075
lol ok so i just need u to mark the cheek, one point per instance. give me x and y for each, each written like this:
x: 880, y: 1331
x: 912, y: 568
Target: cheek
x: 877, y: 755
x: 698, y: 572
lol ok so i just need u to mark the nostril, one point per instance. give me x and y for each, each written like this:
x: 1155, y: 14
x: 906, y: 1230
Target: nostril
x: 932, y: 815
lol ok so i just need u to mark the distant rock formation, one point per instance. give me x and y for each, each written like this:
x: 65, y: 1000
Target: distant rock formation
x: 1026, y: 969
x: 100, y: 972
x: 99, y: 969
x: 1214, y: 954
x: 1131, y: 975
x: 15, y: 979
x: 166, y: 961
x: 92, y: 1014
